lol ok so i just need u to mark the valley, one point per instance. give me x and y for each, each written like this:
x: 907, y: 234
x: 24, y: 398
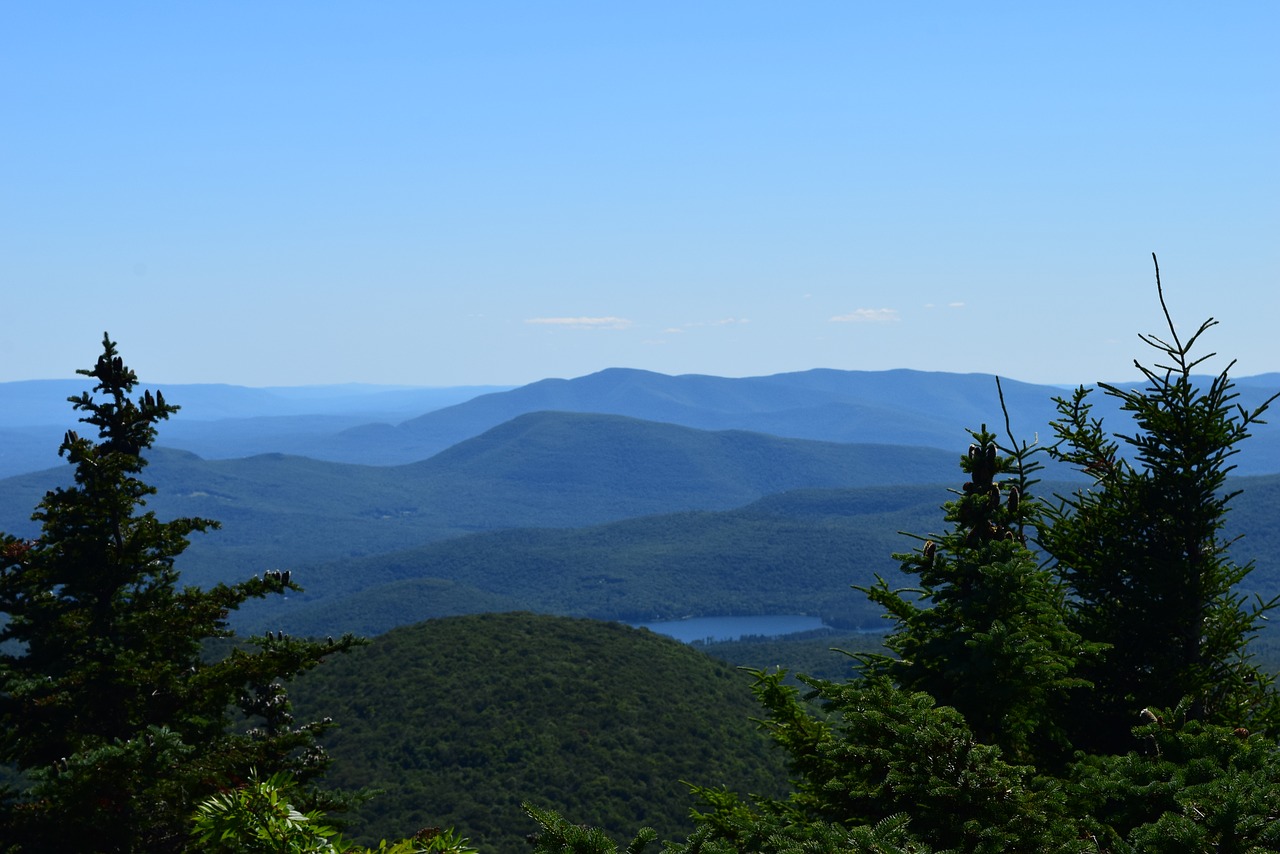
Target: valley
x: 623, y: 495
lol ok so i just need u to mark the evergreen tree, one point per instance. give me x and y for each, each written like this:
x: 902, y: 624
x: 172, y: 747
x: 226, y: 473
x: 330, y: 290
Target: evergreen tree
x: 1144, y: 555
x: 983, y: 631
x: 111, y: 700
x: 555, y: 835
x: 878, y: 769
x: 1188, y: 786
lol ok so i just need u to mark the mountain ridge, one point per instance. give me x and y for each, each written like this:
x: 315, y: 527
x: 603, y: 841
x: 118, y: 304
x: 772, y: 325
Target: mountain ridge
x: 538, y: 470
x: 901, y: 406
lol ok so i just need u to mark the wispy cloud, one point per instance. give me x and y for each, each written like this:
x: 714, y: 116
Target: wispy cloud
x: 955, y: 305
x: 868, y: 315
x: 727, y: 321
x: 582, y: 322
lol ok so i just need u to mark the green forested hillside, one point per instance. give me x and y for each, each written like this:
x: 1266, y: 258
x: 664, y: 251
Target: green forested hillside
x: 398, y: 545
x: 459, y: 720
x: 825, y: 654
x: 544, y: 470
x: 384, y: 542
x: 794, y: 553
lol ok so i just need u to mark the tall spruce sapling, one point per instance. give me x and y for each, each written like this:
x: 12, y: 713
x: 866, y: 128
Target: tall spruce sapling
x: 109, y: 700
x: 983, y: 630
x: 1144, y: 555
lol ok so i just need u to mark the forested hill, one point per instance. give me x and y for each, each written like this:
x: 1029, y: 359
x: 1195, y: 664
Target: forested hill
x: 540, y: 470
x: 635, y: 520
x: 793, y: 553
x: 796, y: 552
x: 460, y: 720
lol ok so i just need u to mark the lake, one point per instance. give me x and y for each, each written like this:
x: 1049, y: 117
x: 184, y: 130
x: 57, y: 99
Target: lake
x: 732, y: 628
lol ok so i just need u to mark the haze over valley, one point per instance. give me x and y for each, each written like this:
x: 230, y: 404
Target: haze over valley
x: 623, y: 494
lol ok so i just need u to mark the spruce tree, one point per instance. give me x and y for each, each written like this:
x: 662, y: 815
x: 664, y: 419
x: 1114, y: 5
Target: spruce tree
x: 983, y: 630
x: 879, y: 769
x: 1144, y: 554
x: 113, y: 700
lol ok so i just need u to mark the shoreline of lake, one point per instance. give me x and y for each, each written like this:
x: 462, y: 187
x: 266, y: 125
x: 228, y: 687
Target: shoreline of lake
x: 712, y: 629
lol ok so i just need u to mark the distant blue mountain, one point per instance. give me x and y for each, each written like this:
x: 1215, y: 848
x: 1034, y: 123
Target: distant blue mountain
x: 552, y: 456
x: 217, y: 421
x: 897, y: 407
x: 375, y: 425
x: 41, y: 402
x: 900, y: 407
x: 542, y: 469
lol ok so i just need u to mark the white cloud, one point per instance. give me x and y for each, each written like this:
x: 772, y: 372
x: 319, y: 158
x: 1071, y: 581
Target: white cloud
x: 728, y: 321
x: 868, y: 315
x: 955, y: 305
x: 582, y: 322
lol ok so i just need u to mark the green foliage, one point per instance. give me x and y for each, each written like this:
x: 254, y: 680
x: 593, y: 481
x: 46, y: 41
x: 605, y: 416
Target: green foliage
x: 107, y: 702
x: 557, y: 836
x: 258, y: 817
x: 459, y: 721
x: 1145, y: 557
x: 730, y: 827
x: 984, y: 631
x: 887, y: 762
x: 1190, y: 786
x: 823, y: 654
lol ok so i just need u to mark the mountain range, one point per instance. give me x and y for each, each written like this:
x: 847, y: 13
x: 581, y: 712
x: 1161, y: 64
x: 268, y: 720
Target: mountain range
x: 620, y: 495
x: 374, y: 425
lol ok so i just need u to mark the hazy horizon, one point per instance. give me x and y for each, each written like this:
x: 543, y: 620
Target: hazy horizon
x: 153, y: 382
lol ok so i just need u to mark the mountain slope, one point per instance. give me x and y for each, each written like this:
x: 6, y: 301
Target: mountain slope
x: 541, y: 470
x: 663, y: 466
x: 796, y: 553
x: 458, y: 721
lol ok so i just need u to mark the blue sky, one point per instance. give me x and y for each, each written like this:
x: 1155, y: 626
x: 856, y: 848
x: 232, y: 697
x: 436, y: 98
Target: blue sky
x: 434, y: 193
